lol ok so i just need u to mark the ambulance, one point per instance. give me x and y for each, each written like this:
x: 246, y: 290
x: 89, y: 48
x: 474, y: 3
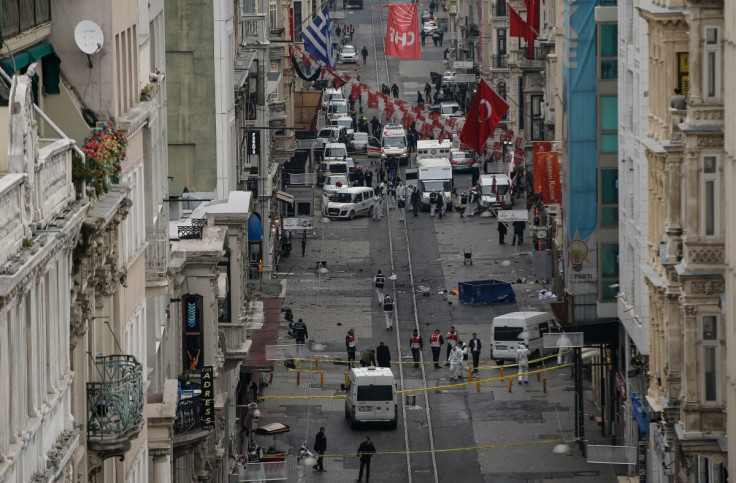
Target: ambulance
x: 394, y: 145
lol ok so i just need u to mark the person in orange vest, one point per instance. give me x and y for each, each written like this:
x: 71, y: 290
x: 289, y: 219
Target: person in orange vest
x: 451, y: 338
x: 350, y: 344
x: 416, y: 344
x: 436, y: 344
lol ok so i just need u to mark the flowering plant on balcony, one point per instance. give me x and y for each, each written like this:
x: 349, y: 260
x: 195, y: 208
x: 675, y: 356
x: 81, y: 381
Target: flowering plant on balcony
x: 105, y: 150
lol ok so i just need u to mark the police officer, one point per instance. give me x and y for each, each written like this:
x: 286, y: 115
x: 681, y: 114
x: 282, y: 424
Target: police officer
x: 378, y: 282
x: 435, y: 342
x: 416, y: 344
x: 388, y: 312
x: 300, y: 331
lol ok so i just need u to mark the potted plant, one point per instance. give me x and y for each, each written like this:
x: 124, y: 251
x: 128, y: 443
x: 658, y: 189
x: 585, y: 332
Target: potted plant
x: 105, y: 151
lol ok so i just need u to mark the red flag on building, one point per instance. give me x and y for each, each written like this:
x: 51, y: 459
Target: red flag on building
x: 487, y: 110
x: 547, y: 174
x: 372, y: 100
x: 426, y: 130
x: 517, y: 26
x: 539, y: 147
x: 401, y: 32
x: 389, y: 110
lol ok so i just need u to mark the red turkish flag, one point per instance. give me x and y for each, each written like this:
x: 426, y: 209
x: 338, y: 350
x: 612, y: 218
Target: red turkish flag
x: 517, y: 26
x: 401, y: 32
x: 487, y: 110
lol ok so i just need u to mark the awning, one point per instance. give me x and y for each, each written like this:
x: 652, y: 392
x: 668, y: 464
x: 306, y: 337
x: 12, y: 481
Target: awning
x: 255, y: 229
x: 284, y: 196
x: 51, y: 64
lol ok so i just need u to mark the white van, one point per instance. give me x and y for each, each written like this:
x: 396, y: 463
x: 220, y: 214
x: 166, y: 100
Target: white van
x: 351, y: 202
x: 371, y: 396
x: 498, y: 195
x: 508, y: 330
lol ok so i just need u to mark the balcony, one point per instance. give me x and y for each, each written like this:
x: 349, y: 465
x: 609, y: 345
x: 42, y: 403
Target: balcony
x: 157, y: 252
x: 189, y: 427
x: 533, y: 62
x: 276, y: 32
x: 254, y: 28
x: 24, y: 16
x: 114, y: 405
x: 193, y: 231
x: 233, y: 341
x: 500, y: 61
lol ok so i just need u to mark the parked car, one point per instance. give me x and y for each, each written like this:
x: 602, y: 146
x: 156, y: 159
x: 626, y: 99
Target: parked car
x: 448, y: 76
x: 460, y: 160
x: 429, y: 27
x: 329, y: 95
x: 358, y: 142
x: 337, y: 108
x: 354, y: 4
x: 331, y: 134
x: 335, y: 182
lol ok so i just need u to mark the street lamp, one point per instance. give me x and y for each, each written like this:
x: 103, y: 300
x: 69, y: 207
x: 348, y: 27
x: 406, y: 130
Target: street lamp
x: 506, y: 144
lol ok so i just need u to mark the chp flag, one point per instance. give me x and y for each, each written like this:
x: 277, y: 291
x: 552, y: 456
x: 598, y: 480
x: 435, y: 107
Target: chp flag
x: 487, y: 110
x: 401, y: 32
x: 317, y: 36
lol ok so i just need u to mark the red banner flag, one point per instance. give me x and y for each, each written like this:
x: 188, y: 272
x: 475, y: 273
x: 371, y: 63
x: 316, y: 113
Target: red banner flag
x: 517, y: 26
x: 372, y: 100
x: 426, y: 130
x: 539, y: 147
x: 389, y: 110
x: 401, y: 32
x: 547, y: 174
x: 487, y: 110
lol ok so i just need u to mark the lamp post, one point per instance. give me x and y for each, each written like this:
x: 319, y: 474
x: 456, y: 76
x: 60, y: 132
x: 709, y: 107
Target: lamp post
x: 506, y: 144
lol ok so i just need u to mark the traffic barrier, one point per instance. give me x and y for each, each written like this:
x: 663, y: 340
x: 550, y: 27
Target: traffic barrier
x: 470, y: 373
x: 321, y: 379
x: 346, y: 380
x: 539, y: 375
x: 477, y: 383
x: 544, y: 385
x: 511, y: 383
x: 298, y: 377
x: 316, y: 364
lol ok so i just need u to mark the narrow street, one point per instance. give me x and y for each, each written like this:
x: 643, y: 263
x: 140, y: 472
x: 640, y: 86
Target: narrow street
x: 453, y: 433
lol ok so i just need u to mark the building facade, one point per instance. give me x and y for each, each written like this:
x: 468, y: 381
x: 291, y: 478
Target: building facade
x: 686, y: 260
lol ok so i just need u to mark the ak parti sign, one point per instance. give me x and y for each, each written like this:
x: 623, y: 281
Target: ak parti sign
x: 547, y: 173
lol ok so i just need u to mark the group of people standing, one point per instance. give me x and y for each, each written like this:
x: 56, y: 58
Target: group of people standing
x: 366, y: 450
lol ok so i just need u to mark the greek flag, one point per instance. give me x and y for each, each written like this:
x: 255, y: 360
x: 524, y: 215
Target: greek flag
x: 317, y: 38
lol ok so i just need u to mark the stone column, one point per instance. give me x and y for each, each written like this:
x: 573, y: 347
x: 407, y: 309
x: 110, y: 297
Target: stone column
x: 161, y: 466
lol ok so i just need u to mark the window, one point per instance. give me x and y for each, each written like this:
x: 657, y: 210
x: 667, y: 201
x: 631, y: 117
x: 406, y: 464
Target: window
x: 608, y: 37
x: 609, y: 197
x: 609, y: 124
x: 501, y: 9
x: 501, y: 41
x: 297, y: 19
x: 273, y: 14
x: 537, y: 120
x: 192, y: 332
x: 521, y: 102
x: 609, y: 271
x: 683, y: 72
x: 711, y: 357
x: 712, y: 64
x: 710, y: 197
x: 274, y: 66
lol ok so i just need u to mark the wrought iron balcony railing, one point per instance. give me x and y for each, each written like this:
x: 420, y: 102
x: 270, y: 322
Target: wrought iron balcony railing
x: 189, y: 414
x: 500, y: 61
x: 115, y: 404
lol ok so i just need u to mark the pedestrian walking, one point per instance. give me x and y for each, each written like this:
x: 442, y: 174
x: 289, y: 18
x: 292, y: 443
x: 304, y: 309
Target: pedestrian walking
x: 364, y: 53
x: 352, y: 32
x: 304, y: 243
x: 475, y: 346
x: 300, y: 331
x: 320, y: 446
x: 428, y: 91
x: 401, y: 200
x: 383, y: 355
x: 522, y: 359
x: 338, y: 30
x: 501, y: 232
x: 416, y: 344
x: 455, y: 362
x: 415, y: 197
x: 350, y: 344
x: 420, y: 99
x: 376, y: 127
x: 432, y: 8
x: 442, y: 34
x: 378, y: 282
x: 435, y: 38
x: 435, y: 342
x: 422, y: 36
x: 365, y: 451
x: 369, y: 177
x: 368, y: 358
x: 388, y: 312
x: 391, y: 194
x: 376, y: 208
x: 451, y: 338
x: 433, y: 196
x: 519, y: 232
x: 395, y: 90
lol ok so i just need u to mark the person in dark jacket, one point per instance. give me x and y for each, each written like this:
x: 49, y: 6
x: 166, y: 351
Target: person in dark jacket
x: 365, y: 451
x: 376, y: 127
x: 414, y: 199
x: 395, y: 90
x: 420, y: 99
x: 423, y: 36
x: 519, y: 232
x: 501, y: 232
x: 300, y: 331
x: 320, y: 446
x: 368, y: 358
x: 475, y: 346
x: 428, y: 91
x: 368, y: 177
x: 383, y: 355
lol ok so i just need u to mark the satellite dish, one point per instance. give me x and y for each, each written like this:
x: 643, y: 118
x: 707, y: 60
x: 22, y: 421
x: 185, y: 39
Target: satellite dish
x: 88, y: 36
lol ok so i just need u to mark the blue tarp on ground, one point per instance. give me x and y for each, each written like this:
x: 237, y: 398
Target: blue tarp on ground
x: 486, y: 291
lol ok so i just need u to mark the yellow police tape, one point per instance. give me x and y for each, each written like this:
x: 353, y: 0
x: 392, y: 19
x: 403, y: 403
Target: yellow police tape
x: 448, y: 386
x: 346, y: 363
x: 454, y: 450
